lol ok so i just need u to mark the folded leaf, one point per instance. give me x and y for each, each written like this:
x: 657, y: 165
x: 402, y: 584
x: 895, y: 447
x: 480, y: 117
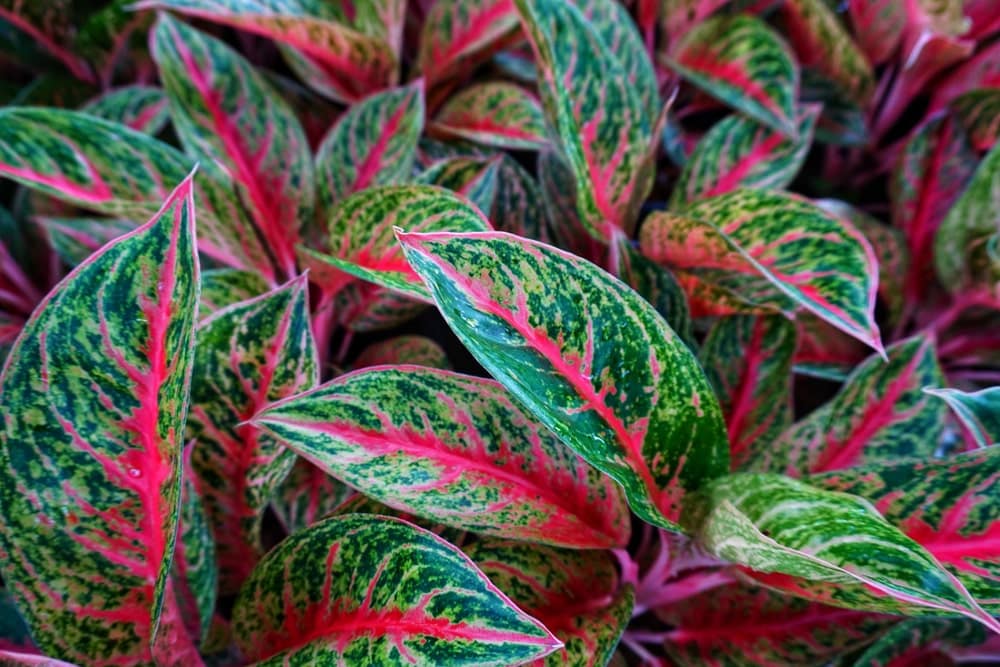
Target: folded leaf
x: 738, y: 152
x: 247, y: 355
x: 979, y: 113
x: 748, y: 360
x: 978, y: 412
x: 141, y: 108
x: 374, y: 143
x: 494, y: 114
x: 809, y: 257
x: 117, y: 171
x: 745, y: 64
x: 880, y: 414
x: 77, y: 239
x: 363, y: 588
x: 473, y: 178
x: 948, y: 506
x: 453, y: 449
x: 574, y: 593
x: 89, y: 462
x: 822, y: 544
x: 459, y: 34
x: 586, y: 355
x: 596, y: 111
x: 226, y: 113
x: 416, y: 350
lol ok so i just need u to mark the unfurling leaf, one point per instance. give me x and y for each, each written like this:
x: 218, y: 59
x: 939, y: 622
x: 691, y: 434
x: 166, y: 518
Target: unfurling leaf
x: 588, y: 356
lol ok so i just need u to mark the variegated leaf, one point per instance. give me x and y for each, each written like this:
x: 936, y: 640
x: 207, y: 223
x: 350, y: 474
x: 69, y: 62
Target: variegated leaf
x: 742, y: 626
x: 979, y: 113
x: 117, y: 171
x: 947, y: 505
x: 574, y: 593
x: 822, y: 43
x: 518, y: 206
x: 363, y: 588
x: 748, y: 360
x: 779, y: 249
x: 90, y: 460
x: 586, y: 355
x: 141, y: 108
x: 960, y: 255
x: 227, y: 114
x: 77, y: 239
x: 223, y: 287
x: 472, y: 178
x: 359, y: 503
x: 555, y: 177
x: 596, y: 111
x: 919, y: 641
x: 373, y: 144
x: 745, y: 64
x: 307, y: 495
x: 678, y: 17
x: 494, y: 114
x: 978, y: 412
x: 194, y: 574
x: 880, y: 414
x: 348, y: 62
x: 49, y: 28
x: 933, y: 168
x: 453, y: 449
x: 878, y: 27
x: 247, y: 355
x: 415, y: 350
x: 459, y: 34
x: 738, y: 152
x: 825, y: 545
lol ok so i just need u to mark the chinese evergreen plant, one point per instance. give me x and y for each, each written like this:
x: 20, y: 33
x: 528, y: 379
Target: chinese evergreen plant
x: 728, y: 273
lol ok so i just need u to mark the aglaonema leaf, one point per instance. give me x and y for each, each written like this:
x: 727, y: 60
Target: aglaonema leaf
x: 247, y: 355
x: 946, y: 505
x: 114, y: 170
x: 142, y: 108
x: 307, y: 495
x: 407, y: 349
x: 576, y: 594
x: 90, y: 460
x: 880, y: 414
x: 878, y: 27
x: 738, y: 152
x: 494, y: 114
x: 743, y: 626
x: 780, y: 248
x: 823, y: 545
x: 74, y: 240
x: 745, y: 64
x: 590, y: 358
x: 226, y: 113
x: 373, y: 144
x: 348, y: 62
x: 457, y: 35
x: 597, y: 112
x: 364, y: 588
x: 979, y: 113
x: 518, y: 206
x: 453, y: 449
x: 977, y: 411
x: 749, y: 362
x: 473, y: 178
x: 194, y: 574
x: 919, y: 641
x: 222, y: 287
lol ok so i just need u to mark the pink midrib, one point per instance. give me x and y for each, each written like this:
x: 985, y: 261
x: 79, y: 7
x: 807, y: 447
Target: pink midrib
x: 442, y: 61
x: 734, y: 177
x: 76, y: 65
x: 372, y: 163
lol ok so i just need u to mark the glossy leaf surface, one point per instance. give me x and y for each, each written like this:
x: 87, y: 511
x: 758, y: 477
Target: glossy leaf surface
x: 978, y: 412
x: 559, y: 333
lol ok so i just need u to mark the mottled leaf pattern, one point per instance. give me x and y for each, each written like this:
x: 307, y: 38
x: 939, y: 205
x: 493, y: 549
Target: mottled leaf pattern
x: 195, y: 575
x: 744, y: 63
x: 223, y: 287
x: 453, y: 449
x: 518, y: 206
x: 363, y: 588
x: 574, y: 593
x: 810, y: 543
x: 77, y: 239
x: 90, y: 459
x: 141, y: 108
x: 494, y: 114
x: 416, y: 350
x: 588, y: 356
x: 656, y: 285
x: 459, y: 34
x: 307, y: 495
x: 247, y: 355
x: 806, y: 256
x: 978, y: 412
x: 748, y: 360
x: 918, y: 641
x: 473, y: 178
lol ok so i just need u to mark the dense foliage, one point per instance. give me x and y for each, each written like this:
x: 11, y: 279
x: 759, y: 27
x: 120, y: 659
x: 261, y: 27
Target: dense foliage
x: 722, y: 279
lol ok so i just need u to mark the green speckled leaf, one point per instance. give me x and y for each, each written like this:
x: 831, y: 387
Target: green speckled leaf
x: 473, y: 178
x: 410, y: 349
x: 367, y: 589
x: 76, y: 239
x: 90, y: 460
x: 453, y: 449
x: 142, y: 108
x: 223, y: 287
x: 823, y: 545
x: 194, y: 574
x: 373, y: 144
x: 307, y: 495
x: 738, y: 152
x: 778, y: 249
x: 574, y: 593
x: 494, y: 114
x: 880, y: 414
x: 457, y: 35
x: 247, y: 355
x: 979, y: 113
x: 518, y: 207
x: 359, y: 503
x: 740, y: 60
x: 978, y: 412
x: 748, y: 360
x: 590, y: 358
x: 597, y: 112
x: 917, y: 641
